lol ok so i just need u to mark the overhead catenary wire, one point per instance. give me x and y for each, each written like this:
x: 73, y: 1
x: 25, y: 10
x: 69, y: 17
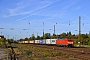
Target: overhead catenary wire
x: 49, y: 8
x: 36, y: 11
x: 52, y: 17
x: 66, y: 9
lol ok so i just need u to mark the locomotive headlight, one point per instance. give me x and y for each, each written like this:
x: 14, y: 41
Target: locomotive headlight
x: 70, y: 42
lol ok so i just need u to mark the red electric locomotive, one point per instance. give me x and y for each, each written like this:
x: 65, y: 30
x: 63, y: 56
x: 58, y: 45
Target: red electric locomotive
x: 64, y: 42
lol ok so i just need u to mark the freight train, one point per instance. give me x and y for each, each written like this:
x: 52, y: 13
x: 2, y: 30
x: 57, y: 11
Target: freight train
x: 59, y: 42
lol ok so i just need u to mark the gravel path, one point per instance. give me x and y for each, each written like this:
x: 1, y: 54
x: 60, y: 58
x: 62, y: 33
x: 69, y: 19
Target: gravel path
x: 3, y: 56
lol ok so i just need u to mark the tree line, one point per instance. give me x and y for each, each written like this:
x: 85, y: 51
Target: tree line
x: 84, y: 38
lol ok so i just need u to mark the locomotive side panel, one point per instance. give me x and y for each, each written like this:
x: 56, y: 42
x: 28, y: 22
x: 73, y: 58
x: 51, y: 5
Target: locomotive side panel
x: 64, y: 42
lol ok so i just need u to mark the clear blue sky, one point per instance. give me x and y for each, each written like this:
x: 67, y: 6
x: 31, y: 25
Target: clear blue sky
x: 30, y: 15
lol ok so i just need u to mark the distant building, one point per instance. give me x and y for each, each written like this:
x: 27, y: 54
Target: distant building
x: 1, y: 36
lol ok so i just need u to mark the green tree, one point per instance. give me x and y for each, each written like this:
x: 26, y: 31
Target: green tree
x: 84, y: 38
x: 69, y: 34
x: 47, y: 36
x: 21, y: 39
x: 10, y: 41
x: 26, y: 38
x: 3, y: 42
x: 54, y: 36
x: 33, y: 37
x: 63, y: 35
x: 42, y: 37
x: 38, y: 38
x: 30, y: 38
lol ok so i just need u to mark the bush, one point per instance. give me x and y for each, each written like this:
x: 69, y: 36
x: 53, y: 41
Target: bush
x: 89, y: 43
x: 28, y: 52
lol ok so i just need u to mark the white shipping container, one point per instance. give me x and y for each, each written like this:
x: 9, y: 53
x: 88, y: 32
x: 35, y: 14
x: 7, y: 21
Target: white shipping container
x: 36, y: 41
x: 44, y: 41
x: 23, y: 42
x: 20, y: 41
x: 32, y: 41
x: 48, y: 41
x: 26, y: 41
x: 51, y: 41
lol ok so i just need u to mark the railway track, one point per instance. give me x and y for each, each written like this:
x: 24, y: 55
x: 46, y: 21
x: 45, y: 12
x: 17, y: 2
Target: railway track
x: 81, y: 53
